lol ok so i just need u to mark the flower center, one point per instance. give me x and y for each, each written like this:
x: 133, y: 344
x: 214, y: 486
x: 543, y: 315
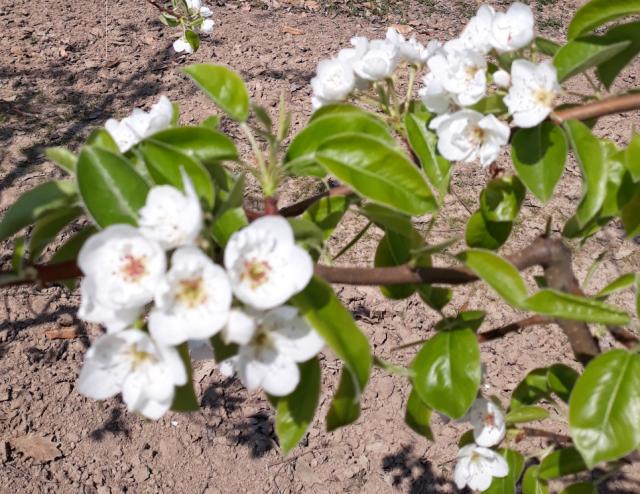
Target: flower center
x: 543, y: 97
x: 256, y: 272
x: 139, y: 357
x: 490, y: 420
x: 471, y: 71
x: 133, y: 268
x: 191, y: 292
x: 477, y: 135
x: 262, y: 341
x: 475, y: 457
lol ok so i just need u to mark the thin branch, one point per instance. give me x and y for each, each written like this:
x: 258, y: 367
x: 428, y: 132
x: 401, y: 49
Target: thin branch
x: 533, y: 432
x: 615, y: 104
x: 302, y: 206
x: 494, y: 334
x: 160, y: 7
x: 623, y: 336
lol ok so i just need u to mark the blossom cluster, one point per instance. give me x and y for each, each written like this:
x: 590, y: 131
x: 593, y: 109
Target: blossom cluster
x: 460, y: 74
x: 196, y: 9
x: 158, y: 269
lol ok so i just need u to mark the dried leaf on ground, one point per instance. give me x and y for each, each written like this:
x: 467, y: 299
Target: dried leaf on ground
x: 61, y: 333
x: 37, y: 447
x: 402, y: 28
x: 292, y: 30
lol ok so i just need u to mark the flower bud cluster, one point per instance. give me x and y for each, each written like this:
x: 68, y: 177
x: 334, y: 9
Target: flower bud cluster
x: 203, y: 15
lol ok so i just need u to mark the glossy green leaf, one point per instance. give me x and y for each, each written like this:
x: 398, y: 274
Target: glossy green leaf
x: 301, y: 154
x: 447, y: 371
x: 224, y: 87
x: 47, y: 228
x: 507, y: 485
x: 227, y: 224
x: 498, y: 273
x: 334, y: 108
x: 598, y: 12
x: 295, y: 412
x: 532, y: 484
x: 423, y: 142
x: 539, y: 155
x: 232, y: 198
x: 608, y: 70
x: 561, y: 462
x: 101, y: 138
x: 185, y: 399
x: 533, y: 388
x: 394, y: 250
x: 492, y: 104
x: 630, y: 217
x: 327, y: 213
x: 204, y: 144
x: 590, y: 154
x: 324, y: 312
x: 501, y: 199
x: 582, y: 54
x: 18, y: 257
x: 580, y: 488
x: 434, y: 296
x: 222, y: 350
x: 34, y: 204
x: 483, y: 234
x: 164, y: 163
x: 563, y: 305
x: 547, y: 46
x: 605, y: 406
x: 418, y: 416
x: 62, y: 157
x: 378, y: 172
x: 388, y: 219
x: 620, y: 283
x: 70, y: 249
x: 112, y: 191
x: 193, y: 39
x: 632, y: 158
x: 561, y: 379
x: 526, y: 413
x: 307, y: 235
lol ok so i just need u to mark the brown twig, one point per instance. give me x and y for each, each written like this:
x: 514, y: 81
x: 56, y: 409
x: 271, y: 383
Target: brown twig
x: 162, y: 9
x: 494, y: 334
x: 615, y: 104
x: 533, y: 432
x: 624, y: 337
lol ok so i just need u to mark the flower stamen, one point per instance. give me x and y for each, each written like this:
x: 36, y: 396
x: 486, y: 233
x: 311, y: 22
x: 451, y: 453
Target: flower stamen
x: 256, y: 272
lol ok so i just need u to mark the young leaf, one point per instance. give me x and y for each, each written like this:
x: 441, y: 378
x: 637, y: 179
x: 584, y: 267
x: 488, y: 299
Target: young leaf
x: 507, y: 485
x: 185, y: 399
x: 527, y: 413
x: 193, y: 39
x: 561, y: 462
x: 532, y: 388
x: 547, y: 46
x: 630, y: 217
x: 539, y: 155
x: 394, y: 250
x: 101, y: 138
x: 34, y: 204
x: 388, y: 219
x: 112, y: 191
x: 418, y: 416
x: 608, y: 70
x: 532, y: 484
x: 620, y: 283
x: 327, y: 213
x: 62, y: 157
x: 580, y: 488
x: 378, y: 172
x: 447, y: 372
x: 295, y: 412
x: 501, y: 199
x: 598, y: 12
x: 605, y: 406
x: 582, y: 54
x: 69, y: 250
x: 227, y: 224
x: 345, y: 406
x: 47, y: 227
x: 224, y: 87
x: 561, y: 379
x: 632, y: 158
x: 204, y: 144
x: 483, y: 234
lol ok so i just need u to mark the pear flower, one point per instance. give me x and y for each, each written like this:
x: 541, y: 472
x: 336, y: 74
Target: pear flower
x: 333, y: 82
x: 502, y: 78
x: 194, y: 302
x: 468, y: 135
x: 130, y: 363
x: 171, y: 217
x: 272, y: 344
x: 411, y: 50
x: 182, y: 45
x: 513, y: 29
x: 207, y: 26
x: 140, y: 124
x: 461, y: 72
x: 476, y: 34
x: 122, y: 269
x: 196, y: 7
x: 264, y: 264
x: 379, y: 62
x: 477, y: 466
x: 533, y: 90
x: 488, y: 423
x: 434, y: 96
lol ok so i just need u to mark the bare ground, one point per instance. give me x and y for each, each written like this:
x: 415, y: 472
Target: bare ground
x: 68, y: 66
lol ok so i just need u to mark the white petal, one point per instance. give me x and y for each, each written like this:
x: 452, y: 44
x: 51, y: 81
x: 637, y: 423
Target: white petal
x: 240, y: 327
x: 174, y: 363
x: 97, y: 383
x: 153, y: 409
x: 281, y: 377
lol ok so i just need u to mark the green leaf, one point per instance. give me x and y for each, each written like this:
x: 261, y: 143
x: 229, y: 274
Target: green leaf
x: 224, y: 87
x: 193, y: 39
x: 598, y: 12
x: 62, y: 157
x: 532, y: 388
x: 112, y: 191
x: 327, y: 213
x: 324, y: 312
x: 301, y: 154
x: 185, y: 399
x: 388, y: 219
x: 335, y: 108
x: 527, y: 413
x: 630, y: 217
x: 580, y: 488
x: 501, y: 199
x: 507, y: 485
x: 563, y: 305
x: 18, y: 257
x: 620, y: 283
x: 418, y: 416
x: 605, y: 406
x: 498, y: 273
x: 539, y: 155
x: 423, y: 142
x: 165, y: 162
x: 101, y: 138
x: 307, y: 235
x: 221, y: 350
x: 468, y: 319
x: 492, y: 104
x: 295, y: 412
x: 547, y: 46
x: 483, y: 234
x: 434, y: 296
x: 532, y: 484
x: 168, y: 19
x: 70, y: 249
x: 608, y: 70
x: 590, y: 154
x: 447, y: 371
x: 47, y: 228
x: 582, y: 54
x: 204, y: 144
x: 378, y: 172
x: 212, y: 122
x: 561, y: 462
x: 394, y: 250
x: 632, y: 158
x: 34, y: 204
x: 227, y: 224
x: 561, y: 379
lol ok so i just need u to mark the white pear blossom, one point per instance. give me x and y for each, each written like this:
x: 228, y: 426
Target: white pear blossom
x: 333, y: 82
x: 171, y: 217
x: 513, y: 29
x: 488, y: 423
x: 476, y: 35
x: 533, y: 90
x: 468, y: 135
x: 502, y: 78
x: 434, y: 96
x: 272, y: 344
x: 379, y: 62
x: 265, y: 265
x: 194, y: 302
x: 207, y: 26
x: 182, y: 45
x: 411, y: 50
x: 460, y: 71
x: 206, y: 12
x: 131, y: 363
x: 140, y: 124
x: 122, y: 269
x: 477, y: 466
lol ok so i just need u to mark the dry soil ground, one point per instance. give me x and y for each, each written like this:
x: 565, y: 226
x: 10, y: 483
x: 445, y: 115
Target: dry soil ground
x: 66, y: 67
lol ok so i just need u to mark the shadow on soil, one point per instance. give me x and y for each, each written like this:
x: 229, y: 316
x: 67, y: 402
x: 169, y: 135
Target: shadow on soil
x: 413, y: 474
